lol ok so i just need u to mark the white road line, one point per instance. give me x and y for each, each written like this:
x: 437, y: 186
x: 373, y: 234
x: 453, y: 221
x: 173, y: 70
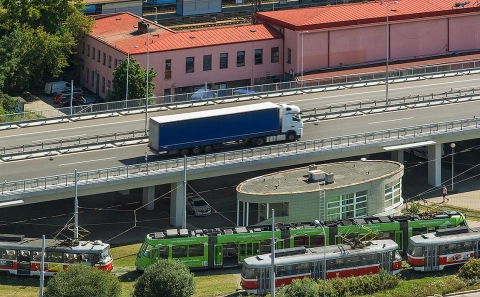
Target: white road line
x: 66, y: 137
x: 390, y: 121
x: 88, y: 161
x: 75, y: 128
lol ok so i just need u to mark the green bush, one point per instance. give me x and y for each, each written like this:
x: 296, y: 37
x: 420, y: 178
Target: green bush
x: 165, y: 278
x: 300, y: 288
x: 470, y: 271
x: 361, y: 285
x: 80, y: 280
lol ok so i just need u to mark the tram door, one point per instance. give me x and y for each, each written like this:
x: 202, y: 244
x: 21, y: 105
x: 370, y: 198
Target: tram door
x: 386, y: 261
x: 23, y: 262
x: 264, y: 281
x: 318, y: 272
x: 431, y: 258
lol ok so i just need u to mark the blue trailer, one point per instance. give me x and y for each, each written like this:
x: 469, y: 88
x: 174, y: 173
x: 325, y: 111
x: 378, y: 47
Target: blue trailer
x: 202, y: 131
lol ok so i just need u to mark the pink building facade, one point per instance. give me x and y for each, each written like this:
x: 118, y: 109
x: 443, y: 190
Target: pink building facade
x: 281, y: 45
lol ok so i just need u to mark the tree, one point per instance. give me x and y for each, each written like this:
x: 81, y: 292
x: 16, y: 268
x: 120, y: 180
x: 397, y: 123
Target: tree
x: 38, y: 37
x: 137, y: 76
x: 80, y: 280
x: 165, y: 278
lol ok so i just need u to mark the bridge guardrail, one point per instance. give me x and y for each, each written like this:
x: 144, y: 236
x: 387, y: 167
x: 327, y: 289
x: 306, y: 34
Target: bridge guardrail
x: 405, y: 133
x: 70, y: 143
x: 265, y: 90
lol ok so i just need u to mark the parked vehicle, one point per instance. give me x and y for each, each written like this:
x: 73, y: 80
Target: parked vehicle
x: 60, y: 97
x: 56, y: 87
x: 197, y: 206
x: 78, y: 100
x: 201, y: 131
x: 76, y: 91
x: 201, y: 94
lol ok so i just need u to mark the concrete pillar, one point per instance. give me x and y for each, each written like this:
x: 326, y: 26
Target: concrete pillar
x: 398, y: 156
x: 246, y: 211
x: 238, y: 212
x: 243, y: 214
x: 434, y: 154
x: 177, y: 204
x: 148, y: 197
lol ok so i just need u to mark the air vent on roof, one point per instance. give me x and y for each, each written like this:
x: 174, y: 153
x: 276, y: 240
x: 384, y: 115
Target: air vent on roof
x: 316, y: 175
x: 191, y: 37
x: 253, y: 30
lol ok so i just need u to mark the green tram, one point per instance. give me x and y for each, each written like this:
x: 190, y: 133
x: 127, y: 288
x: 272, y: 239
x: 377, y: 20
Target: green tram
x: 229, y: 246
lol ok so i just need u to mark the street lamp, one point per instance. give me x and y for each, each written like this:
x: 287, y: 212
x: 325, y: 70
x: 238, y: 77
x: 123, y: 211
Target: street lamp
x: 156, y: 14
x: 388, y: 45
x: 128, y: 65
x: 146, y: 97
x: 452, y: 145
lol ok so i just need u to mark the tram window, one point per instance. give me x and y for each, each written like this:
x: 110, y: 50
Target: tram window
x: 330, y: 264
x: 163, y: 252
x: 11, y: 254
x: 452, y: 248
x: 37, y: 256
x: 417, y: 231
x: 316, y: 240
x: 3, y: 254
x: 179, y: 251
x: 288, y: 269
x: 416, y: 251
x: 300, y: 241
x: 249, y: 273
x: 53, y: 257
x: 69, y: 258
x: 281, y: 271
x: 301, y: 268
x: 371, y: 259
x: 386, y: 235
x: 467, y: 246
x: 195, y: 250
x: 353, y: 261
x: 25, y: 255
x: 265, y: 246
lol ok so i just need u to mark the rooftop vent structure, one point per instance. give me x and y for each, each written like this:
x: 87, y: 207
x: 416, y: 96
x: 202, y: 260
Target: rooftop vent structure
x: 316, y: 175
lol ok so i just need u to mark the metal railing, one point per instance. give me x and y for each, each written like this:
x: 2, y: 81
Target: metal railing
x: 264, y: 90
x: 299, y: 149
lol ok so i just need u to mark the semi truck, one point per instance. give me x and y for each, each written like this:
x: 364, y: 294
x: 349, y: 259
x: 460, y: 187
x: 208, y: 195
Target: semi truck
x: 203, y: 131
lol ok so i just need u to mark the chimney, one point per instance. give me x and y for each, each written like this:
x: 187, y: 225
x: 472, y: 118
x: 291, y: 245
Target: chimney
x: 142, y: 28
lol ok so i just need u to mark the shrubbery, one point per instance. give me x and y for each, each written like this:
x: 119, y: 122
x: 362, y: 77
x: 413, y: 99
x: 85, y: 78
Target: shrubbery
x: 341, y: 287
x: 470, y: 271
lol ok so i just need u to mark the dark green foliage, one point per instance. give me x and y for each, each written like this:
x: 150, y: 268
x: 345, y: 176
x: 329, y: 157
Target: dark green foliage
x: 137, y: 77
x: 300, y: 288
x: 7, y: 104
x: 470, y: 271
x: 165, y: 278
x: 411, y: 207
x: 80, y: 280
x: 361, y: 285
x: 37, y: 39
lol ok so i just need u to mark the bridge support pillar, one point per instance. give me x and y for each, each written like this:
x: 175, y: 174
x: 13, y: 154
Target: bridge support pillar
x: 434, y: 164
x: 177, y: 204
x: 398, y: 156
x: 148, y: 197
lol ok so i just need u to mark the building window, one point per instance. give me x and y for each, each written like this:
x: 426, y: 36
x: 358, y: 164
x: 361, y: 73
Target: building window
x: 241, y: 59
x: 103, y: 84
x: 109, y: 61
x: 116, y: 62
x: 207, y: 62
x: 83, y: 47
x: 168, y: 69
x: 109, y: 84
x: 393, y: 192
x: 93, y: 53
x: 88, y: 75
x: 93, y: 78
x: 258, y: 56
x: 88, y: 50
x: 281, y: 209
x: 190, y: 65
x: 289, y: 55
x: 347, y: 206
x: 275, y: 55
x: 98, y: 56
x: 223, y: 60
x: 104, y: 58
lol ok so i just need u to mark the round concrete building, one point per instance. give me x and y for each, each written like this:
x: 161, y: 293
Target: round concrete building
x: 328, y: 192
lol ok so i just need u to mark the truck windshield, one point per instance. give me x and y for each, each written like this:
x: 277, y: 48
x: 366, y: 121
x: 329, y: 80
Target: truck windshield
x: 296, y: 118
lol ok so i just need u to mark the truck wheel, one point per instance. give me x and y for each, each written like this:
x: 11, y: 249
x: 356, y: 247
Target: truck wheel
x: 54, y: 94
x: 196, y: 150
x: 291, y: 137
x: 208, y: 149
x: 259, y: 141
x: 183, y: 152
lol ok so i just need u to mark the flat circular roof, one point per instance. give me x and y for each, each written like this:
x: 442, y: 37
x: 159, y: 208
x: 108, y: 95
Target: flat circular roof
x: 297, y: 180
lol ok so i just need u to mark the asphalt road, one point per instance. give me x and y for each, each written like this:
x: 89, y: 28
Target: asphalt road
x: 114, y: 157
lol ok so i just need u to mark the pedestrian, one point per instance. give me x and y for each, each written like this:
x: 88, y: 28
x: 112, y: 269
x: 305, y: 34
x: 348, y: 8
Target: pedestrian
x: 444, y: 192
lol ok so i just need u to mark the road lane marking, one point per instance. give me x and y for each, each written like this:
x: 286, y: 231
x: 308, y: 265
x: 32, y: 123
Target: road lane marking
x: 66, y: 137
x: 380, y: 122
x: 88, y: 161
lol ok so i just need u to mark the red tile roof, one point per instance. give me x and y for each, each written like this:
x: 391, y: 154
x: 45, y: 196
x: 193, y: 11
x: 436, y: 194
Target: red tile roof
x: 362, y: 13
x: 121, y: 31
